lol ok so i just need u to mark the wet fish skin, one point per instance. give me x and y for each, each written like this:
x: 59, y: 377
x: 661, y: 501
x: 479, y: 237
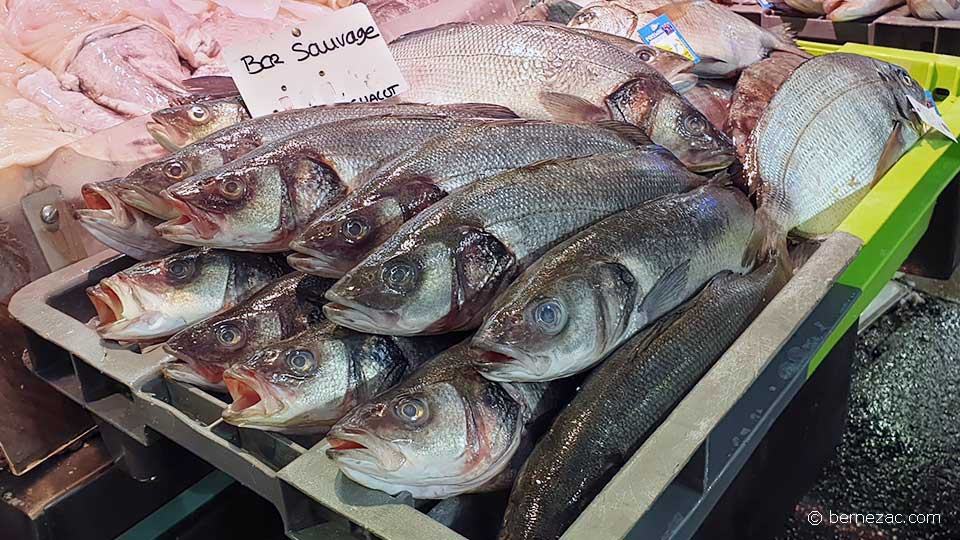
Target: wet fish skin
x: 442, y: 432
x: 543, y: 73
x: 263, y: 200
x: 278, y: 311
x: 591, y: 438
x: 145, y: 183
x: 158, y: 298
x: 304, y: 384
x: 755, y: 88
x: 591, y: 293
x: 712, y: 99
x: 343, y: 236
x: 176, y: 127
x: 119, y: 226
x: 441, y: 270
x: 821, y: 186
x: 851, y: 10
x: 933, y: 10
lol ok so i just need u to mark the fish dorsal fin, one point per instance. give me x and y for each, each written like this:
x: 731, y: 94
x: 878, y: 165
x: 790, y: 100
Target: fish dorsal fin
x: 667, y: 292
x: 629, y: 132
x: 570, y: 108
x: 892, y: 150
x: 440, y: 27
x: 675, y: 11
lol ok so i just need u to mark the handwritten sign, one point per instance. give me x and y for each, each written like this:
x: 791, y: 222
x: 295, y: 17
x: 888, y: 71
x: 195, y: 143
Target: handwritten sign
x: 663, y: 34
x: 339, y: 58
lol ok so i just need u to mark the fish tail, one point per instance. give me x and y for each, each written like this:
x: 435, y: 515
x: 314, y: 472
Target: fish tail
x: 768, y: 243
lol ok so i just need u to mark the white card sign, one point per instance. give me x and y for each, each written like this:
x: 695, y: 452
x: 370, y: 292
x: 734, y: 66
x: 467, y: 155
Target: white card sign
x: 338, y: 58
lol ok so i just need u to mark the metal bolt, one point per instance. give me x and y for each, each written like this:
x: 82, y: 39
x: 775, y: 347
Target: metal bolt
x: 49, y: 214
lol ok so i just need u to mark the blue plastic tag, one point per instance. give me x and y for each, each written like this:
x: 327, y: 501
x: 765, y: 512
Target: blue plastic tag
x: 932, y: 102
x: 764, y: 4
x: 663, y: 34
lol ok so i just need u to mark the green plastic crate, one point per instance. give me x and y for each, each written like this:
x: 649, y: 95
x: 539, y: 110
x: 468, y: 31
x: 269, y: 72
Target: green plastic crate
x: 896, y: 212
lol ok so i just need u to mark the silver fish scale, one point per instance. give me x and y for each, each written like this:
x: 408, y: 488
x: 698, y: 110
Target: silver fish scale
x: 818, y: 144
x: 510, y: 65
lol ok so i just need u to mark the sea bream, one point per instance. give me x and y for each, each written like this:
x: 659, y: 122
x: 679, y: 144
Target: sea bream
x: 443, y: 432
x: 276, y: 312
x: 340, y: 238
x: 176, y: 127
x: 305, y: 383
x: 832, y: 130
x: 156, y: 299
x: 263, y: 200
x: 143, y: 186
x: 441, y: 270
x: 540, y: 72
x: 588, y: 295
x: 592, y: 437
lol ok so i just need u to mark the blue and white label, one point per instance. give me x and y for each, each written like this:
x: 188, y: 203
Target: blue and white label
x: 663, y: 34
x: 764, y: 4
x: 930, y: 115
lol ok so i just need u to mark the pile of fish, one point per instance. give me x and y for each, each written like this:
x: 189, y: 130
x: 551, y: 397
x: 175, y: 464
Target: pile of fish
x: 482, y: 277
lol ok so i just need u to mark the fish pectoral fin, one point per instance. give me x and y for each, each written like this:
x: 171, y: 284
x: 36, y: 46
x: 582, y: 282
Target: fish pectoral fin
x: 892, y: 150
x: 569, y: 108
x: 667, y: 292
x: 630, y: 132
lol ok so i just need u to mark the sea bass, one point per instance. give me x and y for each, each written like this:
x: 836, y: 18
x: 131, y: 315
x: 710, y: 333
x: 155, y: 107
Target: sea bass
x: 177, y: 127
x: 755, y: 88
x: 261, y: 201
x: 543, y: 73
x: 442, y: 269
x: 276, y: 312
x: 306, y: 383
x: 443, y: 432
x: 343, y: 236
x: 592, y: 437
x: 834, y: 127
x: 591, y: 293
x: 933, y: 10
x: 143, y: 186
x: 156, y: 299
x: 119, y: 226
x: 851, y: 10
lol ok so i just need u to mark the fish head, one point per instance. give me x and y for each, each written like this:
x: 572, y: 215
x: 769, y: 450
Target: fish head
x: 432, y: 440
x: 118, y: 225
x: 311, y: 380
x: 339, y: 239
x: 432, y: 281
x: 176, y: 127
x: 142, y: 188
x: 902, y: 85
x: 606, y: 17
x: 553, y: 320
x: 158, y: 298
x: 653, y: 105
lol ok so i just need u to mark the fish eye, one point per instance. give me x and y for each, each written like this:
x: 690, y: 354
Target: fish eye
x: 550, y: 316
x: 197, y: 114
x: 301, y: 361
x: 233, y: 189
x: 585, y: 17
x: 694, y: 124
x: 180, y: 269
x: 175, y: 170
x: 411, y: 410
x: 399, y: 275
x: 645, y: 56
x: 230, y: 336
x: 355, y: 229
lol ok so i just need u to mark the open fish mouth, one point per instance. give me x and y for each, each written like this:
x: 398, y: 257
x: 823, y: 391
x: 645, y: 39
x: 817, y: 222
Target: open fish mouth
x: 252, y: 399
x: 107, y: 303
x: 169, y: 137
x: 312, y: 262
x: 191, y: 225
x: 362, y: 451
x: 145, y: 201
x: 506, y: 364
x: 210, y: 377
x: 121, y: 314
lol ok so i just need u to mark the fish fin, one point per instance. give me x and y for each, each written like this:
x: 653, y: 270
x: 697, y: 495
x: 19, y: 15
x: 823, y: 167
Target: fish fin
x: 211, y: 86
x: 569, y: 108
x: 684, y: 82
x: 675, y: 11
x: 485, y: 110
x: 667, y: 292
x: 548, y: 24
x: 785, y: 39
x: 767, y: 242
x: 892, y: 151
x: 628, y: 131
x: 439, y: 27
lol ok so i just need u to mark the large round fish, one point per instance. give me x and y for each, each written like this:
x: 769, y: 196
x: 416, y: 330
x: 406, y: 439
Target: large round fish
x: 278, y: 311
x: 177, y: 127
x: 156, y: 299
x: 755, y: 88
x: 834, y: 127
x: 261, y: 201
x: 591, y: 293
x: 443, y: 432
x: 305, y: 383
x: 141, y: 188
x: 442, y: 269
x: 540, y: 72
x: 933, y: 10
x: 592, y: 437
x: 343, y: 236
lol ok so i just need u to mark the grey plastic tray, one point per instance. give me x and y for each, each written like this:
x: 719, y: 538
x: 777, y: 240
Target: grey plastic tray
x: 710, y: 433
